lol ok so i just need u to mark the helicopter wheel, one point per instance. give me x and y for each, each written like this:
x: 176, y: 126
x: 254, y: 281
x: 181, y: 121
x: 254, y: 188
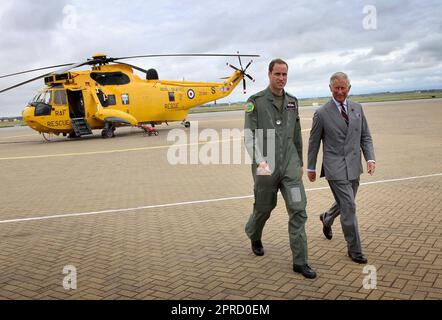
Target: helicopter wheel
x: 187, y: 124
x: 108, y: 133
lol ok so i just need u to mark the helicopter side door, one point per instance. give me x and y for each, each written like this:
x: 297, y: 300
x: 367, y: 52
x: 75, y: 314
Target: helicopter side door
x: 77, y: 113
x: 76, y: 103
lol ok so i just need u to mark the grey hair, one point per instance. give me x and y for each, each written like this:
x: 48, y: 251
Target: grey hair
x: 340, y: 75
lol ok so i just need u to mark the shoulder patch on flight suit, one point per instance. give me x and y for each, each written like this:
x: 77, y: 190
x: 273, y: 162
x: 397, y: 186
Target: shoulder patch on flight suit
x: 249, y: 106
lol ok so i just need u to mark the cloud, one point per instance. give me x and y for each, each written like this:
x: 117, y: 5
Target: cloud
x: 30, y: 15
x: 316, y: 38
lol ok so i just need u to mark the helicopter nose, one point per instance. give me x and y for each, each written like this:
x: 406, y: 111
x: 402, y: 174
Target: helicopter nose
x: 27, y: 113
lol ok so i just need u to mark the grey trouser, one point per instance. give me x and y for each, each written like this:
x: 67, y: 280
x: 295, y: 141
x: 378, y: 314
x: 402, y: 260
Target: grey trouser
x: 344, y: 192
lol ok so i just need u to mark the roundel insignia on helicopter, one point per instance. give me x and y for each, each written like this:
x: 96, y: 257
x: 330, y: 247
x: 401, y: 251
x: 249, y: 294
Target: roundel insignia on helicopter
x: 190, y: 94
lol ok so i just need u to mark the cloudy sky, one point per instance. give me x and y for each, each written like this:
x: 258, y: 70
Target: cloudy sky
x: 382, y: 45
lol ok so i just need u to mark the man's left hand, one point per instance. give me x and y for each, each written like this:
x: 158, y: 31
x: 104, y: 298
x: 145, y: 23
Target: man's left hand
x: 311, y: 176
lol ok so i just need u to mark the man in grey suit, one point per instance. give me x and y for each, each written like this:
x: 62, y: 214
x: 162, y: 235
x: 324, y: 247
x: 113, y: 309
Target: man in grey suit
x: 343, y: 129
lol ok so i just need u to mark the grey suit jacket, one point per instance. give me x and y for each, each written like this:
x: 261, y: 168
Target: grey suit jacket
x: 341, y: 144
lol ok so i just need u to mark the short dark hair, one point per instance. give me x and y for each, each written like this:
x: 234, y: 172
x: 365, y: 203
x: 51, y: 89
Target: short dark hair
x: 276, y: 61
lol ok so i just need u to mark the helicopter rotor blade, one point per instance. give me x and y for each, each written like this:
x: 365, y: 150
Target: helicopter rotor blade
x: 70, y: 66
x: 24, y: 82
x: 233, y: 67
x: 187, y: 55
x: 135, y: 67
x: 240, y: 63
x: 244, y: 85
x: 248, y: 65
x: 248, y: 76
x: 73, y: 66
x: 38, y: 69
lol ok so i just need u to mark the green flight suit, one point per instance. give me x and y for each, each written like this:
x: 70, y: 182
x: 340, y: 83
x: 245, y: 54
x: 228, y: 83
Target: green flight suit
x: 266, y: 128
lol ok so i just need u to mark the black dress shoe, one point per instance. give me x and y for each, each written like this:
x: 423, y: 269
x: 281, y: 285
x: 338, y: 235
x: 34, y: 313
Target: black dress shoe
x: 328, y: 233
x: 257, y: 248
x: 305, y: 270
x: 359, y: 258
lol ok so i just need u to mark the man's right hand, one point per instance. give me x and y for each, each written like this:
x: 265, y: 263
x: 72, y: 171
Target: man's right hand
x: 263, y: 169
x: 311, y: 176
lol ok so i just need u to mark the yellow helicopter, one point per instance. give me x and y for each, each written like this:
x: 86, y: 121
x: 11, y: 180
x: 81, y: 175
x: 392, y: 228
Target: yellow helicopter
x: 110, y: 95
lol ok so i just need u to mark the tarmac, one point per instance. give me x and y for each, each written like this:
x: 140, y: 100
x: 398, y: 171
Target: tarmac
x: 95, y: 218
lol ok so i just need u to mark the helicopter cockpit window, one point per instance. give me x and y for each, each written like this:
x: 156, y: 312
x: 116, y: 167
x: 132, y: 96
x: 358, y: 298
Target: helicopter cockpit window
x: 47, y: 97
x: 59, y: 97
x: 42, y: 104
x: 42, y: 109
x: 42, y: 97
x: 110, y: 78
x: 35, y: 99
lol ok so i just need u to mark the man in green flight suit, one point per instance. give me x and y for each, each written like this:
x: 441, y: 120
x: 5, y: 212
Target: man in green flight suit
x: 272, y: 135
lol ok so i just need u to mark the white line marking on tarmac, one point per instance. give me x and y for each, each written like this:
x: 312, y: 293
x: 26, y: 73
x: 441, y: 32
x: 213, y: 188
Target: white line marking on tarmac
x: 211, y: 120
x: 168, y: 205
x: 112, y: 151
x: 220, y: 120
x: 24, y: 135
x: 115, y: 151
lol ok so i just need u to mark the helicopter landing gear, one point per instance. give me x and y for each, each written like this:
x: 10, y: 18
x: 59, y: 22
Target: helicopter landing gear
x: 108, y: 131
x: 49, y: 136
x: 186, y: 124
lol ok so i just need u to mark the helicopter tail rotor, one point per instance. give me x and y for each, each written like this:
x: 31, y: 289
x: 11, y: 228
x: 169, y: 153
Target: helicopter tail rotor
x: 243, y: 72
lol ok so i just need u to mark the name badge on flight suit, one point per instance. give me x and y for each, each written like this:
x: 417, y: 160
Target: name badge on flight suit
x: 291, y: 105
